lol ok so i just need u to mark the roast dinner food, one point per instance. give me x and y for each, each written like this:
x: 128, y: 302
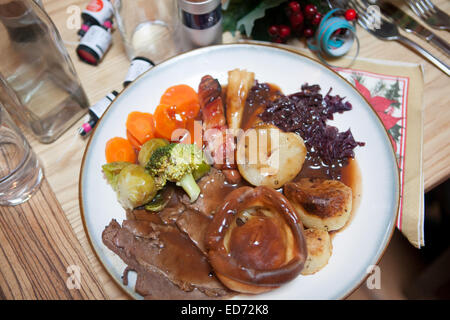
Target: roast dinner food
x: 234, y: 188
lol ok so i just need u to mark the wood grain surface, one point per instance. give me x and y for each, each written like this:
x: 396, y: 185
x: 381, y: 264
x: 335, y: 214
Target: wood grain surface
x: 62, y: 159
x: 40, y: 256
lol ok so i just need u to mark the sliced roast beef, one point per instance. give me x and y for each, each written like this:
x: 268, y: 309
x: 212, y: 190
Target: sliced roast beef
x: 194, y: 224
x: 142, y: 214
x: 174, y: 207
x: 168, y: 215
x: 213, y: 190
x: 154, y: 286
x: 162, y: 250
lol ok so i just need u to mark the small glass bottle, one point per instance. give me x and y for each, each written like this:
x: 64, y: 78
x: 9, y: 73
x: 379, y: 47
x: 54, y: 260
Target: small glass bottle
x: 95, y: 43
x: 38, y: 83
x: 95, y: 113
x: 138, y: 66
x: 96, y: 13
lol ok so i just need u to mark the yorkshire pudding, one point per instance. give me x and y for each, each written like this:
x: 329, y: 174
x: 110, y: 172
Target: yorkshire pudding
x: 255, y: 241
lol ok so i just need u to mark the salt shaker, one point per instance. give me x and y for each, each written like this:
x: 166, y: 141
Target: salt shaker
x: 201, y: 22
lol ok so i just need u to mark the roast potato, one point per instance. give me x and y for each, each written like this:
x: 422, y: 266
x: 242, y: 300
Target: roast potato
x: 267, y: 156
x: 319, y: 247
x: 319, y: 203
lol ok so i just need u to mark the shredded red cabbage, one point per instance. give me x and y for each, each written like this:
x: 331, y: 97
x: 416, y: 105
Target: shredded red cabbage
x: 306, y: 113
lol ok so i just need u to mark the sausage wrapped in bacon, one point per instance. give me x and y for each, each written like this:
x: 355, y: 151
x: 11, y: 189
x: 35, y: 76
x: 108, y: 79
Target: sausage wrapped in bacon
x: 220, y: 144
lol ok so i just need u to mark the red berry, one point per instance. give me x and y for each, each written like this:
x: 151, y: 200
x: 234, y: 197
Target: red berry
x: 316, y: 19
x: 296, y: 19
x: 285, y: 32
x: 273, y: 30
x: 310, y: 11
x: 278, y: 40
x: 350, y: 14
x: 294, y: 6
x: 308, y: 32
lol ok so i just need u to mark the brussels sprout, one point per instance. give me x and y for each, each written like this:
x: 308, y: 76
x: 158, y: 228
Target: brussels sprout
x: 148, y: 148
x: 112, y: 170
x: 135, y: 187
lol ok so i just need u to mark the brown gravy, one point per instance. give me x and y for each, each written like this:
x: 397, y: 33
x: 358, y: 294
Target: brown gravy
x: 351, y: 176
x: 258, y: 99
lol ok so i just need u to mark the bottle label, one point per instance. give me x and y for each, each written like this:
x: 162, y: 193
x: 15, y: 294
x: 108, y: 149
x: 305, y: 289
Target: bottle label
x: 100, y: 10
x: 137, y: 68
x: 100, y: 107
x: 195, y: 38
x: 97, y: 39
x: 95, y: 5
x: 201, y: 21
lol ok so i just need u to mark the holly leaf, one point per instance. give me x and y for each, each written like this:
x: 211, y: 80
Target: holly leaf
x: 248, y: 21
x: 234, y: 11
x: 274, y: 16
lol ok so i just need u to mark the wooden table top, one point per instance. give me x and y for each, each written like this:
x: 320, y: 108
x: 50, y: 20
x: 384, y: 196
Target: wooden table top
x: 62, y: 159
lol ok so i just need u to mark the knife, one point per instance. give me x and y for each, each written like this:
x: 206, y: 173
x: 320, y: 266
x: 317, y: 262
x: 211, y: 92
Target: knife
x: 409, y: 24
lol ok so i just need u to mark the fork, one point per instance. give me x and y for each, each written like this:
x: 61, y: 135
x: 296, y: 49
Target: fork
x: 429, y: 13
x: 389, y: 31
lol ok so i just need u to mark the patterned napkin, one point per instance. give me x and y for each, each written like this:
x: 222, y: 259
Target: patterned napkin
x: 395, y: 91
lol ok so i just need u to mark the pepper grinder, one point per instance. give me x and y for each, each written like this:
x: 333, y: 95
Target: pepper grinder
x: 201, y: 22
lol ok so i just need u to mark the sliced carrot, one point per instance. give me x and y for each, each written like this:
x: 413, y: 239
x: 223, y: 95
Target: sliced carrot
x: 141, y: 126
x: 184, y: 99
x: 194, y: 133
x: 188, y: 138
x: 136, y: 144
x: 119, y: 149
x: 167, y: 121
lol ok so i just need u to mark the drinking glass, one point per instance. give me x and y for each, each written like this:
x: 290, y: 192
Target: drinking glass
x: 20, y: 171
x: 147, y: 27
x: 38, y: 83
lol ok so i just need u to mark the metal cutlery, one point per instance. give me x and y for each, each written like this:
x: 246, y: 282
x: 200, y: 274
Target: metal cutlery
x: 431, y: 14
x: 386, y: 30
x: 409, y: 24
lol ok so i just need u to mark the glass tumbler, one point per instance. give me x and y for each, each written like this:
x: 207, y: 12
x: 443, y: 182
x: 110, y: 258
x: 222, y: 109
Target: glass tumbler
x: 38, y: 83
x: 20, y: 171
x: 147, y: 28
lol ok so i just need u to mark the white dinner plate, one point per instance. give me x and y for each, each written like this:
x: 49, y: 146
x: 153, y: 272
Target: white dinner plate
x: 355, y: 249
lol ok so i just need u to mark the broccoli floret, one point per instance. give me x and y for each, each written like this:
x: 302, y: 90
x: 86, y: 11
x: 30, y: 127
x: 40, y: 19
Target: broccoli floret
x: 179, y: 163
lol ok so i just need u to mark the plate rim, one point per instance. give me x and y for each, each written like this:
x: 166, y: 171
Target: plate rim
x: 243, y: 44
